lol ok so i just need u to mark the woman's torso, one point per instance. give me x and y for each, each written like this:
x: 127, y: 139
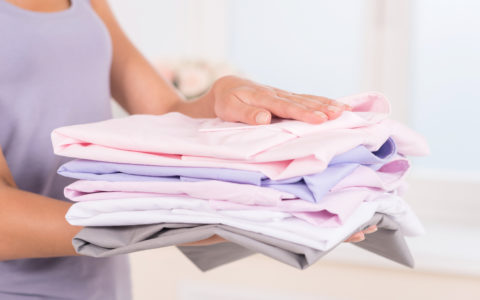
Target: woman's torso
x: 54, y: 71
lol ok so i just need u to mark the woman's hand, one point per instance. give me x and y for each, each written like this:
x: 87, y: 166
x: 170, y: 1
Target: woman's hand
x: 360, y: 236
x: 240, y: 100
x: 236, y: 99
x: 140, y: 89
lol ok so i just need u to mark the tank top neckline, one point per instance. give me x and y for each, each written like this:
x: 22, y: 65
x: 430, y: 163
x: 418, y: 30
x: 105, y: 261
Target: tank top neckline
x: 6, y: 6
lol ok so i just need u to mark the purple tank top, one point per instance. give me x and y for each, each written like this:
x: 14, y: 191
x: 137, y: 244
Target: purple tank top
x: 54, y: 71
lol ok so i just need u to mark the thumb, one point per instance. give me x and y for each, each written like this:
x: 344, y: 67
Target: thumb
x: 239, y: 111
x: 262, y: 116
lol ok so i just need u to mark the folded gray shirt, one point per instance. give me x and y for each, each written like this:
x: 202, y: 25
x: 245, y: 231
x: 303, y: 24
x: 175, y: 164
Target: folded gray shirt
x: 388, y: 242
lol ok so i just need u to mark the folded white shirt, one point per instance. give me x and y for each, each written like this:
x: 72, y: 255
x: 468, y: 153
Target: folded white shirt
x: 281, y: 225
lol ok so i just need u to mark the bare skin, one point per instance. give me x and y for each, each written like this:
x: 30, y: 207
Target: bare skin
x: 138, y: 88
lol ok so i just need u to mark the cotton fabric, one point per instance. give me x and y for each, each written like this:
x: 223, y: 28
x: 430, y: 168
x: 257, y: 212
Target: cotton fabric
x: 281, y: 150
x: 331, y: 210
x: 109, y: 241
x: 290, y: 182
x: 281, y: 225
x: 308, y: 187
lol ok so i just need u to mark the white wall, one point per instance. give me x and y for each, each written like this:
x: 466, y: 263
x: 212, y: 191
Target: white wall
x: 445, y: 82
x: 306, y: 46
x: 175, y: 29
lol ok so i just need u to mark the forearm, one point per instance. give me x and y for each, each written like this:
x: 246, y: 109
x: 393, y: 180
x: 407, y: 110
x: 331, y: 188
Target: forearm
x: 141, y: 90
x: 135, y: 84
x: 138, y: 88
x: 33, y: 226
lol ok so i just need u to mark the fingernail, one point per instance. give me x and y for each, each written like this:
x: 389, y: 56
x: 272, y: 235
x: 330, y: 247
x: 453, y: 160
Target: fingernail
x: 333, y: 108
x: 321, y: 114
x: 370, y: 230
x: 262, y: 117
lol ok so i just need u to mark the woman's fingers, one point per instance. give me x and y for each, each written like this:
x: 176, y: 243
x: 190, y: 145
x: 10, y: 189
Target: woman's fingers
x: 326, y: 100
x: 281, y: 107
x: 331, y: 109
x: 370, y: 229
x: 357, y: 237
x: 241, y: 100
x: 314, y: 98
x: 360, y: 236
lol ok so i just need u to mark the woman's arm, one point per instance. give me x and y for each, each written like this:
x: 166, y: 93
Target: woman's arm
x: 31, y: 225
x: 138, y: 88
x: 135, y: 84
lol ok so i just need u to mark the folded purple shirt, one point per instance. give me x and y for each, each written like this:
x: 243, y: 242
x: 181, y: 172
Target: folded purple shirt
x: 310, y: 187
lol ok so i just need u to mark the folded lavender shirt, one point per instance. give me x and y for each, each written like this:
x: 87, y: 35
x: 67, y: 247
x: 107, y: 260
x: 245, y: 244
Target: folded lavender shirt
x: 309, y: 187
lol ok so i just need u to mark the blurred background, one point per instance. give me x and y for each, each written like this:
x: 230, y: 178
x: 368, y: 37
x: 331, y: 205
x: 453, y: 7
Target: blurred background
x: 423, y: 55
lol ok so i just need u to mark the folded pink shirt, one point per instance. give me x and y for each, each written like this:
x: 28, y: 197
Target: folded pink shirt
x: 283, y: 149
x: 86, y: 190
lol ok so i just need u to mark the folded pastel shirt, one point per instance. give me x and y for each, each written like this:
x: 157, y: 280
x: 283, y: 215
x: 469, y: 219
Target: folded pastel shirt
x: 331, y: 210
x: 229, y: 195
x: 388, y: 241
x: 100, y: 170
x: 87, y: 190
x: 281, y: 225
x: 283, y: 149
x: 330, y: 213
x: 308, y: 187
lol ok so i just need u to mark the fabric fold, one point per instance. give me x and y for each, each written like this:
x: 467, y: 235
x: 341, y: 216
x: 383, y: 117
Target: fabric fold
x: 280, y: 225
x: 109, y: 241
x: 280, y: 150
x: 289, y: 190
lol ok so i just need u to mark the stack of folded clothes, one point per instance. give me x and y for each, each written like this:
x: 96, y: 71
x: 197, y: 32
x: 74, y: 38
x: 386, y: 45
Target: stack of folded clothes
x: 289, y: 190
